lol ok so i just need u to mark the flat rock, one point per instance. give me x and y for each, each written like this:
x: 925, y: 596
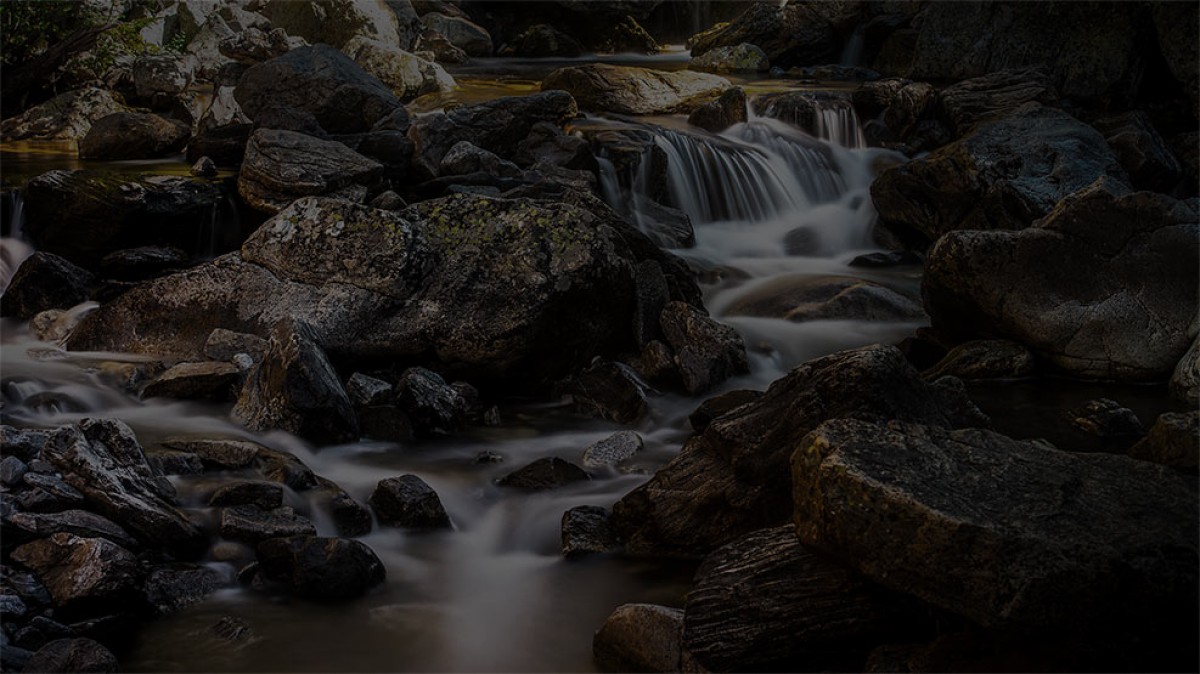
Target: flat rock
x: 76, y: 522
x: 213, y: 379
x: 281, y: 166
x: 634, y: 91
x: 220, y: 453
x: 262, y: 493
x: 252, y: 524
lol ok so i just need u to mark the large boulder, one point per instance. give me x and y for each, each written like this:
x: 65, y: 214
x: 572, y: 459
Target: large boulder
x: 320, y: 80
x: 322, y: 569
x: 1010, y: 534
x: 82, y: 574
x: 67, y: 116
x: 44, y: 281
x: 281, y: 166
x: 1103, y: 287
x: 600, y: 87
x: 133, y: 135
x: 965, y: 104
x: 337, y: 22
x: 462, y: 33
x: 1004, y: 175
x: 791, y: 34
x: 742, y: 58
x: 408, y: 75
x: 733, y: 479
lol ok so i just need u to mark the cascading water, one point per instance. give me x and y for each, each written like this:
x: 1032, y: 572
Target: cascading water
x: 828, y: 117
x: 13, y: 250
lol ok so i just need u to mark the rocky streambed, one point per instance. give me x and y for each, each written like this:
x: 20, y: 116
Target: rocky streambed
x: 458, y: 336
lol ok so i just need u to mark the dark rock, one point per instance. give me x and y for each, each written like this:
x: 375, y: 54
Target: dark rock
x: 431, y: 403
x: 385, y: 422
x: 706, y: 352
x: 733, y: 478
x: 985, y: 359
x: 45, y: 281
x: 901, y: 104
x: 169, y: 589
x: 81, y: 573
x: 72, y: 655
x: 652, y: 297
x: 585, y: 531
x: 805, y: 298
x: 212, y: 379
x: 11, y: 607
x: 133, y: 135
x: 103, y: 460
x: 716, y: 407
x: 409, y: 503
x: 285, y: 468
x: 1142, y: 152
x: 612, y: 450
x: 1173, y: 440
x: 174, y: 462
x: 26, y: 586
x: 322, y: 569
x: 365, y: 391
x: 547, y: 144
x: 264, y: 494
x: 1175, y: 28
x: 1098, y: 309
x: 548, y: 473
x: 1106, y: 420
x: 792, y: 34
x: 764, y: 602
x: 967, y: 103
x: 718, y: 115
x: 1185, y: 379
x: 895, y: 258
x: 25, y: 444
x: 204, y: 167
x: 218, y: 453
x: 389, y: 201
x: 76, y: 522
x: 55, y: 491
x: 225, y: 344
x: 542, y: 40
x: 350, y: 517
x: 297, y: 390
x: 320, y: 80
x: 12, y: 470
x: 224, y: 145
x: 600, y: 87
x: 462, y: 33
x: 640, y: 638
x: 627, y: 35
x: 832, y: 72
x: 487, y: 456
x: 232, y: 629
x: 608, y: 390
x: 1089, y: 540
x: 146, y: 262
x: 287, y: 118
x: 281, y: 166
x: 464, y: 159
x: 742, y: 58
x: 251, y: 524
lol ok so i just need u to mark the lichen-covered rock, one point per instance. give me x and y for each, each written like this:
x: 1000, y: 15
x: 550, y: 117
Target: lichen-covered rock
x: 67, y: 116
x: 408, y: 75
x: 628, y: 90
x: 281, y: 166
x: 742, y: 58
x: 612, y: 450
x: 336, y: 22
x: 462, y: 33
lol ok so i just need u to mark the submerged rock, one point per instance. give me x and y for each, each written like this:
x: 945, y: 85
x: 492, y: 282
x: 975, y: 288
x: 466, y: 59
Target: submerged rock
x: 548, y: 473
x: 808, y: 298
x: 634, y: 91
x: 322, y: 569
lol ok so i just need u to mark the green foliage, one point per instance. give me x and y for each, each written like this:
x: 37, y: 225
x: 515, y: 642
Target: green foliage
x: 123, y: 40
x: 28, y: 27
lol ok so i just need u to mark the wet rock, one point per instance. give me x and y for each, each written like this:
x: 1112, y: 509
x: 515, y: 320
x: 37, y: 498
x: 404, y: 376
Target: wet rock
x: 543, y: 474
x: 1107, y: 421
x: 1004, y: 175
x: 972, y: 101
x: 793, y: 34
x: 322, y: 569
x: 81, y: 573
x: 365, y: 390
x: 627, y: 90
x: 255, y: 45
x: 212, y: 379
x: 252, y: 524
x: 547, y: 144
x: 985, y: 359
x: 232, y: 629
x: 540, y: 41
x: 169, y: 589
x: 706, y: 352
x: 464, y: 159
x: 808, y: 298
x: 145, y: 262
x: 718, y: 115
x: 385, y: 422
x: 67, y: 116
x: 321, y: 80
x: 48, y: 493
x: 640, y: 638
x: 173, y: 462
x: 297, y: 390
x: 1090, y: 540
x: 585, y: 531
x: 406, y: 74
x: 45, y: 281
x: 1173, y: 440
x: 285, y: 468
x: 103, y: 460
x: 263, y: 494
x: 1185, y: 379
x: 608, y: 390
x: 281, y: 166
x: 350, y: 517
x: 224, y: 344
x: 287, y: 118
x: 79, y: 523
x: 765, y: 602
x: 902, y: 105
x: 894, y: 258
x: 409, y: 503
x: 225, y: 144
x: 204, y: 167
x: 612, y: 450
x: 1141, y: 151
x: 462, y: 33
x: 1123, y: 319
x: 742, y: 58
x: 431, y: 403
x: 626, y: 36
x: 133, y: 135
x: 832, y: 72
x: 72, y: 655
x: 733, y: 478
x: 218, y: 453
x: 716, y: 407
x: 12, y: 470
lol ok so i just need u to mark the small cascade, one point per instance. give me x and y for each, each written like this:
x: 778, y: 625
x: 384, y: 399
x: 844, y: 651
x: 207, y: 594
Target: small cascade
x: 14, y: 218
x: 852, y: 52
x: 838, y: 124
x: 828, y: 117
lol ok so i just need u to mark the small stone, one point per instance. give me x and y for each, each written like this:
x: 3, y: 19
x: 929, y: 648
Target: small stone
x: 204, y: 168
x: 543, y: 474
x: 431, y: 403
x: 261, y: 493
x: 585, y: 531
x: 612, y: 450
x: 492, y: 416
x: 408, y: 502
x: 389, y: 201
x: 365, y: 391
x: 12, y: 470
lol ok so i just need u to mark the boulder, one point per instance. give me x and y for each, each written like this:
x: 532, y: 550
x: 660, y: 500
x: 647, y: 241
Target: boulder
x: 462, y: 33
x: 706, y: 352
x: 801, y: 298
x: 365, y: 391
x: 741, y: 58
x: 795, y: 34
x: 350, y: 517
x: 640, y: 638
x: 608, y: 390
x: 431, y: 403
x: 628, y: 90
x: 1004, y: 175
x: 984, y: 359
x: 408, y: 75
x: 967, y: 103
x: 174, y: 587
x: 255, y: 45
x: 541, y: 41
x: 322, y: 569
x: 585, y: 531
x: 547, y: 144
x: 409, y: 503
x: 733, y: 479
x: 82, y: 574
x: 1011, y: 534
x: 321, y: 80
x: 1078, y: 288
x: 543, y: 474
x: 464, y: 159
x: 626, y: 35
x: 296, y: 389
x: 143, y: 262
x: 281, y: 166
x: 79, y: 523
x: 45, y: 281
x: 1173, y: 440
x: 251, y: 524
x: 1142, y: 152
x: 718, y: 115
x: 72, y: 655
x: 614, y: 449
x: 211, y: 379
x: 336, y: 22
x: 133, y: 135
x: 718, y: 406
x: 67, y: 116
x: 160, y: 74
x: 902, y: 105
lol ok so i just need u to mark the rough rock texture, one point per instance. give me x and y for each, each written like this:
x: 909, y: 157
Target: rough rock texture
x: 585, y: 531
x: 251, y: 524
x: 336, y: 22
x: 985, y: 359
x: 431, y: 403
x: 808, y: 298
x: 262, y: 493
x: 408, y: 75
x: 409, y: 503
x: 172, y: 588
x: 67, y: 116
x: 798, y: 34
x: 81, y: 574
x: 211, y: 379
x: 718, y: 115
x: 640, y: 638
x: 1173, y: 440
x: 281, y: 166
x: 706, y: 352
x: 464, y: 159
x: 1008, y: 533
x: 717, y: 406
x: 133, y: 135
x: 742, y: 58
x: 1105, y: 286
x: 1004, y: 175
x: 608, y: 390
x: 967, y: 103
x: 73, y: 655
x: 322, y: 569
x: 612, y: 450
x: 733, y: 478
x: 44, y: 281
x: 1107, y: 420
x: 548, y: 473
x: 634, y: 91
x: 462, y: 33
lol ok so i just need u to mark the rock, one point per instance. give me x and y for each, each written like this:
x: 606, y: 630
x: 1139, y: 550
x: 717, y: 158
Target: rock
x: 1141, y: 151
x: 541, y: 41
x: 548, y: 473
x: 464, y: 158
x: 832, y: 72
x: 169, y: 589
x: 145, y: 262
x: 72, y: 655
x: 627, y: 35
x: 45, y: 281
x: 337, y: 22
x: 462, y: 33
x: 81, y: 573
x: 387, y: 423
x: 1173, y: 440
x: 967, y: 103
x: 612, y: 450
x: 1011, y: 534
x: 585, y: 531
x: 718, y: 115
x: 220, y: 454
x: 806, y: 298
x: 1185, y: 379
x: 252, y: 524
x: 49, y: 493
x: 11, y: 607
x: 225, y: 144
x: 365, y: 391
x: 12, y: 470
x: 281, y: 166
x: 159, y: 74
x: 322, y: 569
x: 25, y: 444
x: 792, y: 34
x: 224, y: 344
x: 285, y: 468
x: 67, y: 116
x: 102, y: 459
x: 627, y: 90
x: 902, y: 105
x: 732, y: 479
x: 321, y: 80
x: 389, y: 201
x: 431, y: 403
x: 742, y: 58
x: 261, y: 493
x: 497, y: 126
x: 204, y: 167
x: 255, y: 45
x: 133, y: 135
x: 984, y: 359
x: 718, y: 406
x: 297, y: 390
x: 79, y: 523
x: 407, y: 502
x: 764, y: 601
x: 350, y: 517
x: 189, y: 381
x: 640, y: 638
x: 1004, y: 175
x: 547, y: 144
x: 232, y: 629
x: 1124, y: 320
x: 173, y: 462
x: 894, y: 258
x: 707, y: 352
x: 408, y: 75
x: 1107, y: 421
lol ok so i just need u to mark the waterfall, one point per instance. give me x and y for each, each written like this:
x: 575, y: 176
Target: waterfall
x: 13, y: 249
x: 839, y: 124
x: 852, y: 52
x: 828, y: 117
